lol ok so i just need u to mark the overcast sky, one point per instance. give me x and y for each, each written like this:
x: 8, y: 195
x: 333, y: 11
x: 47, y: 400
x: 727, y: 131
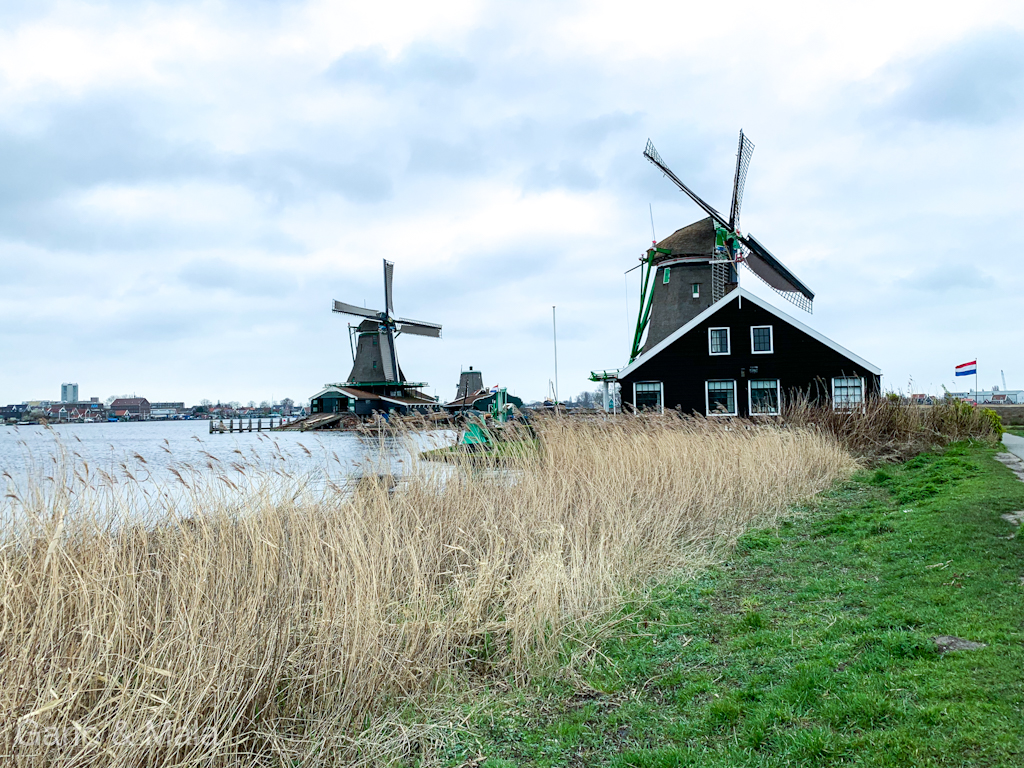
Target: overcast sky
x: 185, y: 186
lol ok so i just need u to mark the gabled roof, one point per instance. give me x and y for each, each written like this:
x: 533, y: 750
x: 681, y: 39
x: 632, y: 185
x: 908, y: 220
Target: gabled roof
x: 410, y: 398
x: 735, y: 295
x: 352, y: 392
x: 469, y: 399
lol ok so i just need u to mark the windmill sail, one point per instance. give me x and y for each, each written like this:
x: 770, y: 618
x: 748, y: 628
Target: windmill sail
x: 762, y: 263
x: 387, y: 356
x: 743, y: 153
x: 419, y: 329
x: 351, y: 309
x: 389, y: 273
x: 652, y: 154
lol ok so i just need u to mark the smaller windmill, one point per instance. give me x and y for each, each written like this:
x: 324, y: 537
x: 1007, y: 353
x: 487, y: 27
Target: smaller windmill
x: 374, y: 360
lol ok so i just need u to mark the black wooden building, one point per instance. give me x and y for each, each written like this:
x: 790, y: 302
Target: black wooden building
x: 743, y: 357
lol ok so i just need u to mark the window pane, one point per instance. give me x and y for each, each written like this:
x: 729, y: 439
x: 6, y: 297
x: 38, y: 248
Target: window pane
x: 764, y: 396
x: 847, y: 391
x: 720, y: 341
x: 696, y: 290
x: 648, y: 395
x: 762, y: 339
x: 667, y: 275
x: 721, y: 397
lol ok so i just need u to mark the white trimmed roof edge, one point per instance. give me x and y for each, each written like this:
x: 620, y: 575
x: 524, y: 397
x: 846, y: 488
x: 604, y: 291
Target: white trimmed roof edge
x: 739, y: 293
x: 347, y: 391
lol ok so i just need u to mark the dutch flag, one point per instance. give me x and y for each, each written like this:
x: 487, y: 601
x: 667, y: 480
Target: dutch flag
x: 967, y: 369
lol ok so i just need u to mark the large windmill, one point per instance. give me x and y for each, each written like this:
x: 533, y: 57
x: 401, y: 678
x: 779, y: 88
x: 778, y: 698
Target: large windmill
x: 697, y: 264
x: 375, y: 365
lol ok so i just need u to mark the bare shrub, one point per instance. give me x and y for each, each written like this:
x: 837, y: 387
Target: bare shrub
x: 892, y: 428
x: 254, y: 619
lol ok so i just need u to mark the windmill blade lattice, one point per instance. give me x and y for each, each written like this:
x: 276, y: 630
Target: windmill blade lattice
x: 389, y: 274
x: 418, y: 328
x: 743, y: 154
x: 387, y: 356
x: 351, y: 309
x: 776, y: 275
x: 652, y: 154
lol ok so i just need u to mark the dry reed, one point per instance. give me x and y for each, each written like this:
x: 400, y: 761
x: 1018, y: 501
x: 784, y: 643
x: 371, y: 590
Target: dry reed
x: 892, y: 428
x: 252, y: 621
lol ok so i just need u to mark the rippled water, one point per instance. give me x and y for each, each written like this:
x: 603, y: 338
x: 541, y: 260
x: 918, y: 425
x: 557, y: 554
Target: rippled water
x: 150, y: 450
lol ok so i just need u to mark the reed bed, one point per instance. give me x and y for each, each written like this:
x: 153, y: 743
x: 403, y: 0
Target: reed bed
x: 250, y: 619
x: 892, y: 428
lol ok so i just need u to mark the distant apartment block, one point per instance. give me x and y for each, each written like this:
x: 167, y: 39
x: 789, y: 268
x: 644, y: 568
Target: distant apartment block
x: 69, y: 393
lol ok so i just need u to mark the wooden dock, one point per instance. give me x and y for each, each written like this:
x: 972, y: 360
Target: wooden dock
x: 218, y: 426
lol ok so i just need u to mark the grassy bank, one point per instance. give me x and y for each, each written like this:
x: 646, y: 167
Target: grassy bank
x: 811, y: 646
x: 254, y: 619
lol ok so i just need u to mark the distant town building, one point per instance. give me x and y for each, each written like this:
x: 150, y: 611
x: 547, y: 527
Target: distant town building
x: 69, y: 393
x: 166, y: 410
x: 131, y: 408
x: 91, y: 409
x: 12, y: 412
x: 994, y: 396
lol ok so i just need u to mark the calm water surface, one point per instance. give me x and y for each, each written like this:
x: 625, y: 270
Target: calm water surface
x: 154, y: 448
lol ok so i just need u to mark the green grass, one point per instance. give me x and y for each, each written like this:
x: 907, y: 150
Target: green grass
x: 811, y: 646
x: 1018, y: 431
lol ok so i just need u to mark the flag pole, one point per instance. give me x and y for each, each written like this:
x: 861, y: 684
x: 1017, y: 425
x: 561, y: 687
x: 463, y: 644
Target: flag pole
x: 554, y: 337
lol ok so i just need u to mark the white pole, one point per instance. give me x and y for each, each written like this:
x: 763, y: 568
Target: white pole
x: 604, y: 402
x: 554, y: 335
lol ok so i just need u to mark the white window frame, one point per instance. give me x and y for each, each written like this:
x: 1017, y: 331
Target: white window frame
x: 661, y: 394
x: 695, y: 290
x: 771, y: 340
x: 666, y: 275
x: 707, y: 398
x: 728, y: 342
x: 848, y: 406
x: 750, y: 397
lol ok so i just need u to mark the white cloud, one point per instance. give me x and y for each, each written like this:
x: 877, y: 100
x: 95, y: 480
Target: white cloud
x: 220, y: 171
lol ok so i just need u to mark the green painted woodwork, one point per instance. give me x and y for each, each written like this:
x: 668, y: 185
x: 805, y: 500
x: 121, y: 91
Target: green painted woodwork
x: 646, y: 294
x: 476, y: 434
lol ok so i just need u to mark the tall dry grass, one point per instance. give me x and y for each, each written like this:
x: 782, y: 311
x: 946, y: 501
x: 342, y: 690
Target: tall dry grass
x: 262, y: 623
x: 892, y: 428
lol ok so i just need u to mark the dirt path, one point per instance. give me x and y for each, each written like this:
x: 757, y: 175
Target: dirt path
x: 1014, y: 444
x: 1015, y: 459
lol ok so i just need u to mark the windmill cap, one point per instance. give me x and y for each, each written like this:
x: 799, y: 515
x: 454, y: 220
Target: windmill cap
x: 697, y: 239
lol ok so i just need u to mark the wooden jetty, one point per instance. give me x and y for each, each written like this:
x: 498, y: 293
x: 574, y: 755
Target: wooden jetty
x: 319, y: 421
x: 218, y: 426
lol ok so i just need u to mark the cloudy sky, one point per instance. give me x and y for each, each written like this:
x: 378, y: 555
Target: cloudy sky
x: 185, y: 186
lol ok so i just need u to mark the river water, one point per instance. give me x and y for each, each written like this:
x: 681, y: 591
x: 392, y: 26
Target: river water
x: 152, y: 452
